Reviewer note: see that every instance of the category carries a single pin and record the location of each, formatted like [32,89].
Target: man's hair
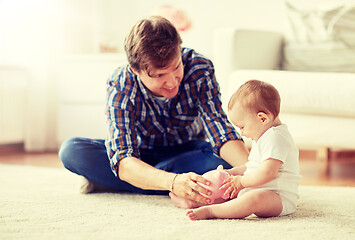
[257,96]
[152,44]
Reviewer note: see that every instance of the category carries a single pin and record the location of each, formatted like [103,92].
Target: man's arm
[143,175]
[221,133]
[234,152]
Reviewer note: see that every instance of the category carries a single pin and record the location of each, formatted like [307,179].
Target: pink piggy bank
[216,177]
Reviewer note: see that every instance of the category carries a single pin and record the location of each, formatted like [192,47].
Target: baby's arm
[265,173]
[237,170]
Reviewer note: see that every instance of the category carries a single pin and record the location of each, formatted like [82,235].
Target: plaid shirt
[136,119]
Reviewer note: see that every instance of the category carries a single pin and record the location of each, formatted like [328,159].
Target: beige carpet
[44,203]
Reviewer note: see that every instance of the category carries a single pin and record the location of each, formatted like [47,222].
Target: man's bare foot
[199,214]
[184,202]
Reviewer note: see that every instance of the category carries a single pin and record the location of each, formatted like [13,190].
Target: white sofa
[318,107]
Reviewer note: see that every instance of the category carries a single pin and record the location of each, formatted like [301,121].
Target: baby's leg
[184,202]
[263,203]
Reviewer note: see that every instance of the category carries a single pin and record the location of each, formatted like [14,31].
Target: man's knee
[68,150]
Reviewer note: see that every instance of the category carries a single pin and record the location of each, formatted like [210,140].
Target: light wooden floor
[342,166]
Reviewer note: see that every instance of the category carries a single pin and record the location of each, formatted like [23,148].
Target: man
[160,109]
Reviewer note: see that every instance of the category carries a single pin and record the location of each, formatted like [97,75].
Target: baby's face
[249,123]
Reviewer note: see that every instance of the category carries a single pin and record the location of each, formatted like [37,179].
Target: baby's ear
[263,117]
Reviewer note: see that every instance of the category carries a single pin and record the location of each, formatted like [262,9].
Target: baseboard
[12,148]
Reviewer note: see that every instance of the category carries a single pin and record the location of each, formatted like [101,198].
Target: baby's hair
[257,96]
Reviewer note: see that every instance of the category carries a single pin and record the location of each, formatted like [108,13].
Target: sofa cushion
[316,93]
[320,37]
[313,131]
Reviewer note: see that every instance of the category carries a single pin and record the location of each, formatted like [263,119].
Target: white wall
[115,18]
[29,40]
[34,34]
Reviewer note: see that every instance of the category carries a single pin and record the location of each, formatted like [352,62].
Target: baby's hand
[233,186]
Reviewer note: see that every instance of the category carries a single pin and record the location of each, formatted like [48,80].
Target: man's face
[164,82]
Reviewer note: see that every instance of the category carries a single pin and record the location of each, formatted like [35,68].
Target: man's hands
[185,186]
[233,185]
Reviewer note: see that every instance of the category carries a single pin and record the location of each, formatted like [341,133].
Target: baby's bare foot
[183,202]
[192,215]
[199,214]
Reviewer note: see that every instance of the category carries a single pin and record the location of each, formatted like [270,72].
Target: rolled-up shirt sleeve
[218,129]
[121,141]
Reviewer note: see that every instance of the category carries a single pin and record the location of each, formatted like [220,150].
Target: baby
[267,185]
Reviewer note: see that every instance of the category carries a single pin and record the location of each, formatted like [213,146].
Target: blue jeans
[88,158]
